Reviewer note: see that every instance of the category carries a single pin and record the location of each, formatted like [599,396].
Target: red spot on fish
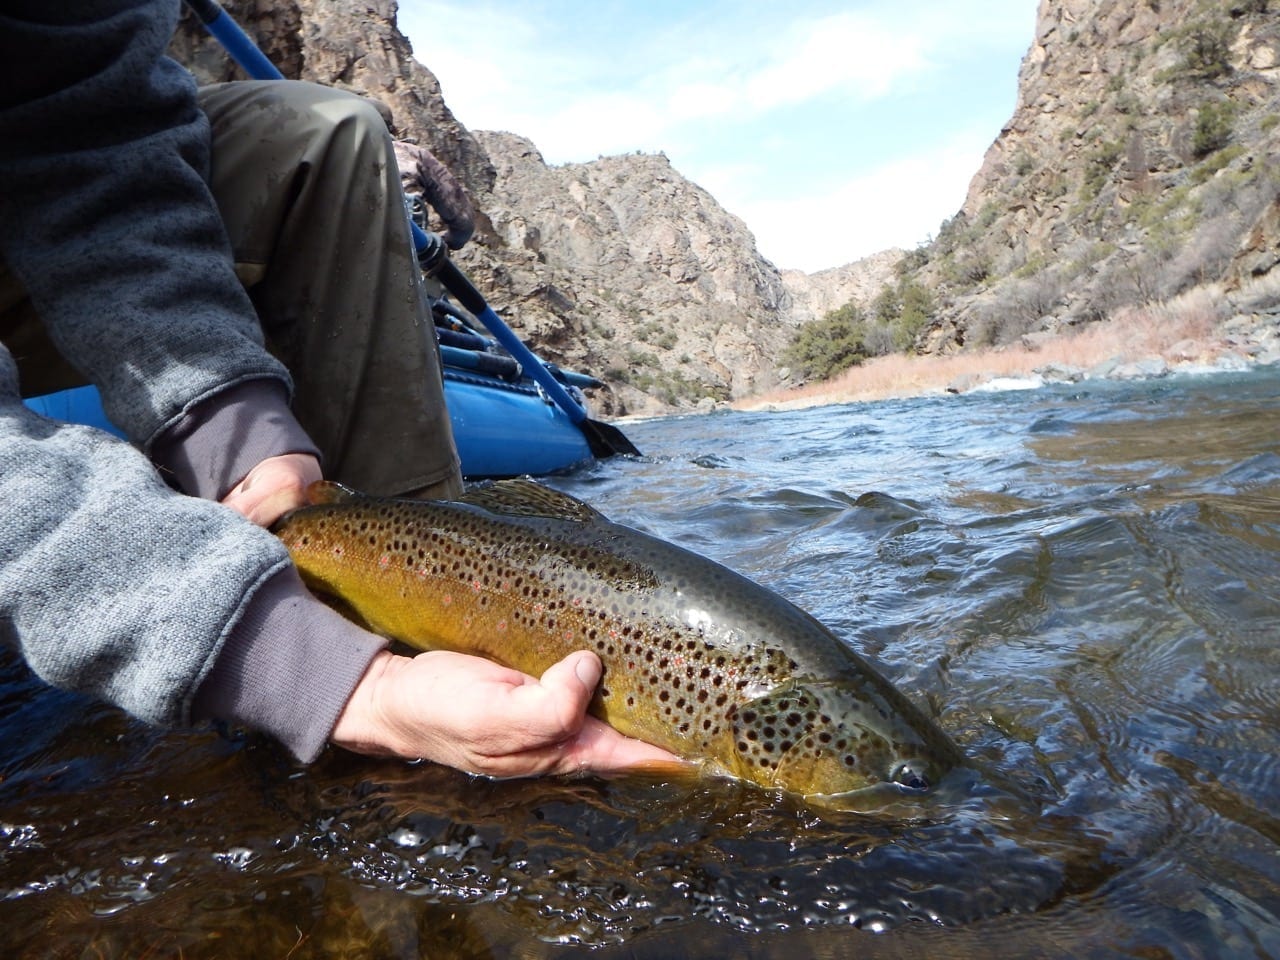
[384,561]
[337,551]
[475,585]
[447,599]
[502,624]
[423,573]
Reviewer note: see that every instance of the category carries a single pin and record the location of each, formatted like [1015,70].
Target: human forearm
[172,607]
[214,446]
[287,668]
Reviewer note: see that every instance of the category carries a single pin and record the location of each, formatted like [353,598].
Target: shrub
[1214,122]
[912,261]
[901,311]
[951,234]
[1206,49]
[641,358]
[916,314]
[822,348]
[1099,165]
[1216,162]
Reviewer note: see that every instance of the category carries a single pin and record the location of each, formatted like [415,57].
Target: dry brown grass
[1187,324]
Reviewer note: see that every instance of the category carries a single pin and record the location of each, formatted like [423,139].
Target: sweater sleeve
[110,582]
[173,608]
[106,217]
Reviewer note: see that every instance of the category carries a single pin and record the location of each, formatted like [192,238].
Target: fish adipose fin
[523,497]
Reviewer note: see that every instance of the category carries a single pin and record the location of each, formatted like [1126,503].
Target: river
[1081,583]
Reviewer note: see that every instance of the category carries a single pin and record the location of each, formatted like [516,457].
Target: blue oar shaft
[457,284]
[236,42]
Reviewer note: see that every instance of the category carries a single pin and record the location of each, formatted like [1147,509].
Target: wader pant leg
[307,184]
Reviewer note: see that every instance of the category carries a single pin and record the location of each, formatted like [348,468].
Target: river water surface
[1082,584]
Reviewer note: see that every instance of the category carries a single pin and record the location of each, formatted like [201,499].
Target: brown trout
[697,659]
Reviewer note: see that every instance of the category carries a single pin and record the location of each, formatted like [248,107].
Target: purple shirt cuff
[219,440]
[287,668]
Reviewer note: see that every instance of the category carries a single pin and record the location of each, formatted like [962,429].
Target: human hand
[274,487]
[481,717]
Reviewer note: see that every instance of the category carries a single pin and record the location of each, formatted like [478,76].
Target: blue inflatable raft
[504,424]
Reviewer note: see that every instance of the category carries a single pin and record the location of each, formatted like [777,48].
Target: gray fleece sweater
[169,605]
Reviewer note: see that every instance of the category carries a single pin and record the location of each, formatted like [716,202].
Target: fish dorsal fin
[523,497]
[327,491]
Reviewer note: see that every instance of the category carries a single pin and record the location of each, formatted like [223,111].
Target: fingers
[551,709]
[268,510]
[274,487]
[487,719]
[598,748]
[573,742]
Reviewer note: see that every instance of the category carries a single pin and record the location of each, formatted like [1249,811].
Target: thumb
[561,696]
[582,668]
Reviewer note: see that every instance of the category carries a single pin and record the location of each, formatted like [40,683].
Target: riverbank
[1202,331]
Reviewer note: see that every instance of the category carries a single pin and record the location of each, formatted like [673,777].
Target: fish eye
[912,775]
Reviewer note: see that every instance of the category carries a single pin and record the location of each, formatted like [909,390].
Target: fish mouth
[914,775]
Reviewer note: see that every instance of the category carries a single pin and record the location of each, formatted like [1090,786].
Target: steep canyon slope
[1142,160]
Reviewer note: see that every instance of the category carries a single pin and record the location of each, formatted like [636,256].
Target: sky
[833,129]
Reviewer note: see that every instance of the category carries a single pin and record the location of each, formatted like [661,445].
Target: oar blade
[606,440]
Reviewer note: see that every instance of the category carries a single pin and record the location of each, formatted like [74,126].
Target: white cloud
[848,53]
[524,78]
[900,203]
[478,52]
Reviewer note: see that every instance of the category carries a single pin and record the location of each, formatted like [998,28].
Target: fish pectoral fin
[523,497]
[664,770]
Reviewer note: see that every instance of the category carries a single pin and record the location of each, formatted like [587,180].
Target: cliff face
[1142,159]
[626,266]
[347,44]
